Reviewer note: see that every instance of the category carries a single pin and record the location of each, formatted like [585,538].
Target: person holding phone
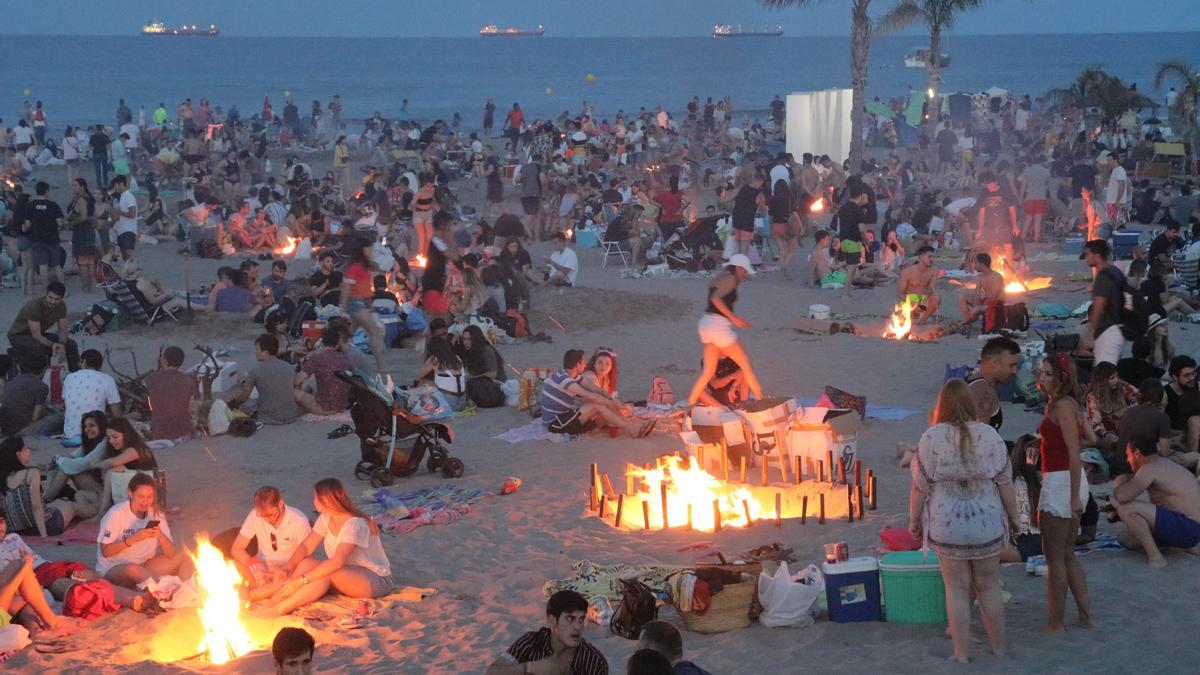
[131,535]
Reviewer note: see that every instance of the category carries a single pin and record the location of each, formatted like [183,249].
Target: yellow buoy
[287,93]
[590,77]
[26,92]
[549,90]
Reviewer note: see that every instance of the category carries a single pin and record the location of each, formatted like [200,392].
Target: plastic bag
[789,600]
[218,418]
[304,250]
[13,637]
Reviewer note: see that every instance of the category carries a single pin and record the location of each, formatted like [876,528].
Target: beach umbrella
[997,92]
[579,136]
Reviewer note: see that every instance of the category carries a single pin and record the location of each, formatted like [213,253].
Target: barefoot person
[355,564]
[1064,490]
[131,534]
[988,291]
[569,408]
[276,530]
[557,648]
[962,503]
[1172,516]
[717,326]
[918,286]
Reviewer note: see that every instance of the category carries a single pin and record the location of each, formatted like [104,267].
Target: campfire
[417,262]
[1014,284]
[899,325]
[289,247]
[818,206]
[218,581]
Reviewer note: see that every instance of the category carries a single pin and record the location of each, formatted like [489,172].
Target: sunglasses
[274,543]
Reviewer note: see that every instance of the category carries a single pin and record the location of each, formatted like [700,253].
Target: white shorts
[716,330]
[1056,493]
[1107,346]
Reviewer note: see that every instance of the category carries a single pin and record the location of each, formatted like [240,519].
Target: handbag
[638,606]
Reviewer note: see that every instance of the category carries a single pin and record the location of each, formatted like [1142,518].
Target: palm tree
[1187,102]
[939,16]
[860,54]
[1095,88]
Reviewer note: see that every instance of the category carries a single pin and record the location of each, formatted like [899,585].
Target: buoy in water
[549,90]
[590,77]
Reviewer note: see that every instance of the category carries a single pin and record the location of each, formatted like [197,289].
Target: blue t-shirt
[235,299]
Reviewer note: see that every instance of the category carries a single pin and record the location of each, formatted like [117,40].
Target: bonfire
[218,581]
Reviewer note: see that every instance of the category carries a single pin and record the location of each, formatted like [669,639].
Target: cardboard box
[714,424]
[821,430]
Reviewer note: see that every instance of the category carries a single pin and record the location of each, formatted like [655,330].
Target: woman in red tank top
[1064,489]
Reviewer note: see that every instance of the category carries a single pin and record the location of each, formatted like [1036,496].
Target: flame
[569,234]
[900,324]
[217,581]
[419,261]
[818,206]
[289,247]
[1014,284]
[688,484]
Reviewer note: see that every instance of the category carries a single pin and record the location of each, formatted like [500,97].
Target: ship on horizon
[157,27]
[738,30]
[492,30]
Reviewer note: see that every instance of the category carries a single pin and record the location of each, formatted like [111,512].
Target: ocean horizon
[80,78]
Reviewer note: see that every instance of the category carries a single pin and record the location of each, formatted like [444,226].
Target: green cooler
[913,591]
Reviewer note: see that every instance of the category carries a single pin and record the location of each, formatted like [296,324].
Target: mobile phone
[151,524]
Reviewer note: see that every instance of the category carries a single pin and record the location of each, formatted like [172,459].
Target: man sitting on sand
[292,650]
[131,534]
[1172,516]
[918,286]
[172,397]
[568,408]
[562,266]
[41,326]
[332,395]
[665,639]
[274,379]
[988,291]
[277,530]
[557,648]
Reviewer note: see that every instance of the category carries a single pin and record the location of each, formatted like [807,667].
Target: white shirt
[11,547]
[133,132]
[84,391]
[567,259]
[368,550]
[292,532]
[477,147]
[124,224]
[779,172]
[1115,179]
[121,522]
[22,135]
[70,148]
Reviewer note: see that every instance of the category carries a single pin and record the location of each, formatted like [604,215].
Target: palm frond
[781,4]
[903,15]
[1175,68]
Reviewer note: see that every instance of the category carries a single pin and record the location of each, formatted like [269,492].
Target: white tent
[997,92]
[819,122]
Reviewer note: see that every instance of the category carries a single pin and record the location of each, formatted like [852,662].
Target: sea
[80,78]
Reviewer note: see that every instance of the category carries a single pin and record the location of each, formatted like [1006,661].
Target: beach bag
[429,403]
[789,600]
[209,248]
[96,322]
[661,392]
[13,638]
[833,279]
[218,418]
[999,316]
[305,311]
[485,392]
[531,386]
[956,372]
[90,600]
[638,607]
[520,324]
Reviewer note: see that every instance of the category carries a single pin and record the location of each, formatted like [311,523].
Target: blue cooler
[1073,245]
[586,237]
[852,590]
[1123,243]
[391,328]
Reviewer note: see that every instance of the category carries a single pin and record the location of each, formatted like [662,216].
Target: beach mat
[81,532]
[876,412]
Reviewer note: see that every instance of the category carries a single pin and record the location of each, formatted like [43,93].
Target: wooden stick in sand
[874,492]
[783,463]
[746,510]
[603,502]
[742,474]
[841,464]
[662,489]
[646,514]
[725,460]
[799,470]
[821,516]
[608,488]
[592,496]
[849,505]
[858,500]
[858,469]
[763,460]
[716,515]
[620,508]
[689,523]
[829,463]
[820,470]
[778,509]
[804,510]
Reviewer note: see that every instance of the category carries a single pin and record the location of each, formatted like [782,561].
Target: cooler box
[852,590]
[1073,245]
[311,330]
[391,328]
[913,591]
[1123,243]
[229,377]
[586,237]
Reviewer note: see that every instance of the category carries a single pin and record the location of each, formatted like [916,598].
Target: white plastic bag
[789,600]
[218,418]
[304,250]
[13,638]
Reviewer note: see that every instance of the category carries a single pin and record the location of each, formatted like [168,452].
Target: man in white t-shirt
[133,132]
[131,534]
[277,530]
[88,389]
[562,266]
[1118,193]
[127,224]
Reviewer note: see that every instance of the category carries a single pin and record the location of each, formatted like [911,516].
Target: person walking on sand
[717,328]
[963,505]
[1064,490]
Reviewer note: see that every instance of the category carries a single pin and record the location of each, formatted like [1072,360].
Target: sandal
[340,432]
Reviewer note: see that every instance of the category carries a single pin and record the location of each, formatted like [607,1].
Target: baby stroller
[689,247]
[392,440]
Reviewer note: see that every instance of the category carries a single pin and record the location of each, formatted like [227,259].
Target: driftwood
[135,399]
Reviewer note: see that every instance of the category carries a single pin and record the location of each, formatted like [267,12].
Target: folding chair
[134,306]
[610,248]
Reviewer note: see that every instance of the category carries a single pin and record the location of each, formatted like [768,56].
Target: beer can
[843,551]
[364,608]
[831,555]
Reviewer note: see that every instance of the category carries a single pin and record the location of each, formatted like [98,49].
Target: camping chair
[107,276]
[610,248]
[133,306]
[1188,272]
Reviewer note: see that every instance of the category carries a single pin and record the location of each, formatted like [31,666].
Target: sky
[561,18]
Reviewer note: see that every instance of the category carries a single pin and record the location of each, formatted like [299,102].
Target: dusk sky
[561,18]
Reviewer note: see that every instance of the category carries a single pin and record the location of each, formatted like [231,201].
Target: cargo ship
[731,30]
[157,27]
[492,30]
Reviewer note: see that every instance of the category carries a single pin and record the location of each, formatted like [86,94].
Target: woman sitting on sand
[80,466]
[126,454]
[1107,398]
[717,328]
[21,488]
[22,600]
[962,504]
[355,564]
[446,370]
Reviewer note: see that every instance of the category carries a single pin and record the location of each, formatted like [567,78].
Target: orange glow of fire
[817,206]
[419,261]
[1014,284]
[900,323]
[569,234]
[289,247]
[688,484]
[218,580]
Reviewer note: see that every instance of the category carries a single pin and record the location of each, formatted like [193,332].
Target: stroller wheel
[363,469]
[381,477]
[453,468]
[434,462]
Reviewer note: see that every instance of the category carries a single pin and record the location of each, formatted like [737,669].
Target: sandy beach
[489,567]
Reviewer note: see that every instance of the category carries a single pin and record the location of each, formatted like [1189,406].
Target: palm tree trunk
[934,66]
[860,53]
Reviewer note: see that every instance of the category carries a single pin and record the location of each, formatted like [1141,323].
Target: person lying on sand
[918,285]
[1172,516]
[557,648]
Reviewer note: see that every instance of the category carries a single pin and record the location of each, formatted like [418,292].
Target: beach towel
[404,512]
[79,532]
[601,584]
[1051,310]
[533,431]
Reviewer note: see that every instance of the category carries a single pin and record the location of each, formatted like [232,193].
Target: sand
[489,568]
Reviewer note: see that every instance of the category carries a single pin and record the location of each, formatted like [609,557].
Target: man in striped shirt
[568,408]
[558,648]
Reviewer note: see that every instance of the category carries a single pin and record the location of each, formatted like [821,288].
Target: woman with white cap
[717,328]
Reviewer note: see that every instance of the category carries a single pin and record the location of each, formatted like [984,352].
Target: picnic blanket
[601,584]
[535,430]
[79,532]
[403,512]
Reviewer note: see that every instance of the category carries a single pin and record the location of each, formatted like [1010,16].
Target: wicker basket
[730,610]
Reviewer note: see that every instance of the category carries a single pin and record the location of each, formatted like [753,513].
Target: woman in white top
[355,564]
[70,149]
[447,370]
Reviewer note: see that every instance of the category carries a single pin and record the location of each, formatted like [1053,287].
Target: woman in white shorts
[717,328]
[1064,489]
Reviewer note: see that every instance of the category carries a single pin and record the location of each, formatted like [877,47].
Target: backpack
[999,316]
[304,312]
[638,607]
[520,324]
[485,392]
[1133,316]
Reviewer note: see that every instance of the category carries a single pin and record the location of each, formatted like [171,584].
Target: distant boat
[731,30]
[492,30]
[919,58]
[157,27]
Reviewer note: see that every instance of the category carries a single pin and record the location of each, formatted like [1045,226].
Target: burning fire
[419,261]
[688,484]
[218,581]
[289,247]
[1015,285]
[818,206]
[900,324]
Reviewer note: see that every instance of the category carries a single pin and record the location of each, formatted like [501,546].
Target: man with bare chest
[918,286]
[1172,516]
[988,291]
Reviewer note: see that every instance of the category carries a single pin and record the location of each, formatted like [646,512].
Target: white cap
[740,260]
